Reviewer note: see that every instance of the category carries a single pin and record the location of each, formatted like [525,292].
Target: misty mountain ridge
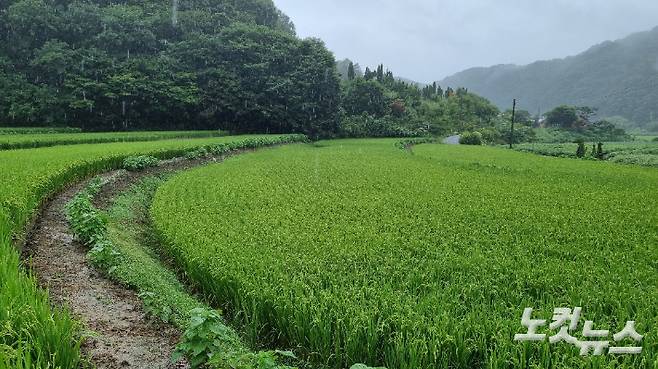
[620,78]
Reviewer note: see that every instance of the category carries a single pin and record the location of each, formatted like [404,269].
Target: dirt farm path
[122,336]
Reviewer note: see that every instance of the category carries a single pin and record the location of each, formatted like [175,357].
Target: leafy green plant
[86,222]
[471,138]
[259,360]
[637,153]
[407,143]
[155,307]
[37,130]
[363,366]
[139,163]
[197,154]
[208,341]
[90,226]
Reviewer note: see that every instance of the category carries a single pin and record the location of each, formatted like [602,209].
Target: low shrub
[208,342]
[405,144]
[471,138]
[139,163]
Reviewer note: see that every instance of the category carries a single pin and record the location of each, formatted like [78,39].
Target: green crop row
[25,141]
[356,251]
[37,130]
[637,153]
[32,334]
[409,142]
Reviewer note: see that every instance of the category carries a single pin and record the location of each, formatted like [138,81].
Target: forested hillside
[215,64]
[378,104]
[110,65]
[619,78]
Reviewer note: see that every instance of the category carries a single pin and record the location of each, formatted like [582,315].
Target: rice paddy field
[357,251]
[365,251]
[37,130]
[643,151]
[33,334]
[31,138]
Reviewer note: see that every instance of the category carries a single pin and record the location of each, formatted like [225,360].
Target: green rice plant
[37,130]
[354,251]
[25,139]
[32,333]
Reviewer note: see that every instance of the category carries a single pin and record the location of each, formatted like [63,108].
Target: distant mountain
[619,78]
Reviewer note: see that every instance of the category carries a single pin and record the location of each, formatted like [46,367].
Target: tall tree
[351,74]
[380,73]
[368,75]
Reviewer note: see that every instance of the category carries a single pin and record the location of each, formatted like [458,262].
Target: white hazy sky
[427,40]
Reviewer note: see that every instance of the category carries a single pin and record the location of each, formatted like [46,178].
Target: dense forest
[619,78]
[215,64]
[379,104]
[101,65]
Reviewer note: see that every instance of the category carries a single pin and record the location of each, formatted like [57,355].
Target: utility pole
[174,13]
[511,135]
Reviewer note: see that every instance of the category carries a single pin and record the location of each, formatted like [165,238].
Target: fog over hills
[620,78]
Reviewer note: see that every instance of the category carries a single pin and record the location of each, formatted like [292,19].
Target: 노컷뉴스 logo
[565,321]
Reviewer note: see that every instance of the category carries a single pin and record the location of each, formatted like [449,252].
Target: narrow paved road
[452,140]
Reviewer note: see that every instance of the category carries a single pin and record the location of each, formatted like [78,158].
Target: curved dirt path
[122,335]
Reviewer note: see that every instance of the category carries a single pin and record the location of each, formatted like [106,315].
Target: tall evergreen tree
[380,73]
[351,74]
[368,74]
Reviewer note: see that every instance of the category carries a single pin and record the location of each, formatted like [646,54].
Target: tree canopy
[379,104]
[101,65]
[211,64]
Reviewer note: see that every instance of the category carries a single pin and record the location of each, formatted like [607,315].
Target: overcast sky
[427,40]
